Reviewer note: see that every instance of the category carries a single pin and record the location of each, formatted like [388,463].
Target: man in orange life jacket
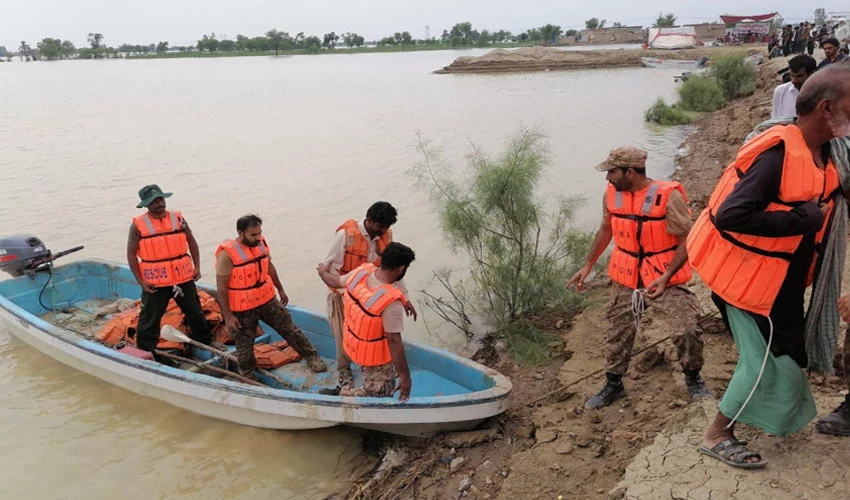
[374,320]
[649,222]
[158,250]
[246,280]
[354,244]
[756,246]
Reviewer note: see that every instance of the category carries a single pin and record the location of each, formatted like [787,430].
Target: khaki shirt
[678,219]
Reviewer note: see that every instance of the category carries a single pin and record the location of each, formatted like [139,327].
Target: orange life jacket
[163,252]
[357,246]
[748,271]
[249,286]
[275,355]
[642,246]
[364,338]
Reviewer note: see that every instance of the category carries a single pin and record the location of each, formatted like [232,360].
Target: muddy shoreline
[643,447]
[551,59]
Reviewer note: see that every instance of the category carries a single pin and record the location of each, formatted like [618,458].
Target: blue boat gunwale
[499,390]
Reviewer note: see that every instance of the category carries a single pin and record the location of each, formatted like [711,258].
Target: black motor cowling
[24,253]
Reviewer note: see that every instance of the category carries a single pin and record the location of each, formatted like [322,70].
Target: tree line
[277,41]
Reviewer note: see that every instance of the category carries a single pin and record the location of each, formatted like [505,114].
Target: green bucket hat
[149,193]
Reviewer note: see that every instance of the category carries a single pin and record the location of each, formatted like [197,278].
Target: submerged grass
[665,114]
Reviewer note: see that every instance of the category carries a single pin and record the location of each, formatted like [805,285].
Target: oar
[172,334]
[204,366]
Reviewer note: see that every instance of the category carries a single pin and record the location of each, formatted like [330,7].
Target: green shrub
[520,247]
[662,113]
[701,93]
[735,77]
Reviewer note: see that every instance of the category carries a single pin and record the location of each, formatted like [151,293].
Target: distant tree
[618,24]
[484,38]
[353,40]
[3,51]
[208,43]
[463,34]
[592,23]
[24,50]
[95,40]
[299,40]
[329,40]
[571,33]
[665,21]
[403,39]
[275,38]
[820,16]
[387,41]
[602,23]
[550,33]
[161,47]
[259,44]
[68,49]
[445,36]
[312,44]
[242,42]
[501,36]
[224,46]
[533,35]
[50,49]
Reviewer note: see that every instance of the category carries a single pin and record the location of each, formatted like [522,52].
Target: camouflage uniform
[679,308]
[378,382]
[274,314]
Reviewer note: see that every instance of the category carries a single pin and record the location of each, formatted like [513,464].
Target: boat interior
[65,302]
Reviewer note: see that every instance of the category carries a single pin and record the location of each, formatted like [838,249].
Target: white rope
[758,380]
[638,306]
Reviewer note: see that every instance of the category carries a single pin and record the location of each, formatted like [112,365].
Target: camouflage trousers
[378,382]
[678,308]
[274,314]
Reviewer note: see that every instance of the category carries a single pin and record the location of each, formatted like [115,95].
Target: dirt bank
[643,447]
[547,58]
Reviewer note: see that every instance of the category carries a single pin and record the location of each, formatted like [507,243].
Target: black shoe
[610,393]
[836,423]
[697,388]
[330,391]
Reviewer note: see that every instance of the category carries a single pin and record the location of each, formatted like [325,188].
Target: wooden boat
[661,62]
[449,392]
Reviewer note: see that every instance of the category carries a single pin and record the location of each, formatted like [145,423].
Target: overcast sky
[182,22]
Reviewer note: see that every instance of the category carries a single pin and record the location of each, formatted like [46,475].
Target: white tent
[672,38]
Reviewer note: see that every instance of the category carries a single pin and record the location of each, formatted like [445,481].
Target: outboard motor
[22,254]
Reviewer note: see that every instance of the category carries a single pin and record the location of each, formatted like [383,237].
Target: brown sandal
[733,452]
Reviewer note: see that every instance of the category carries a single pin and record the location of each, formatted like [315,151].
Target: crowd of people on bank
[804,37]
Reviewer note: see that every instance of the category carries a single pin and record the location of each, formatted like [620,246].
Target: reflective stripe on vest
[748,271]
[163,250]
[643,249]
[364,338]
[249,285]
[357,246]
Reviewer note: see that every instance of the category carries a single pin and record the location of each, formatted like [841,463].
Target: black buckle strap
[731,239]
[165,260]
[643,255]
[363,340]
[639,218]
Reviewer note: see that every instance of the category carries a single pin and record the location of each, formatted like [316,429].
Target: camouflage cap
[624,156]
